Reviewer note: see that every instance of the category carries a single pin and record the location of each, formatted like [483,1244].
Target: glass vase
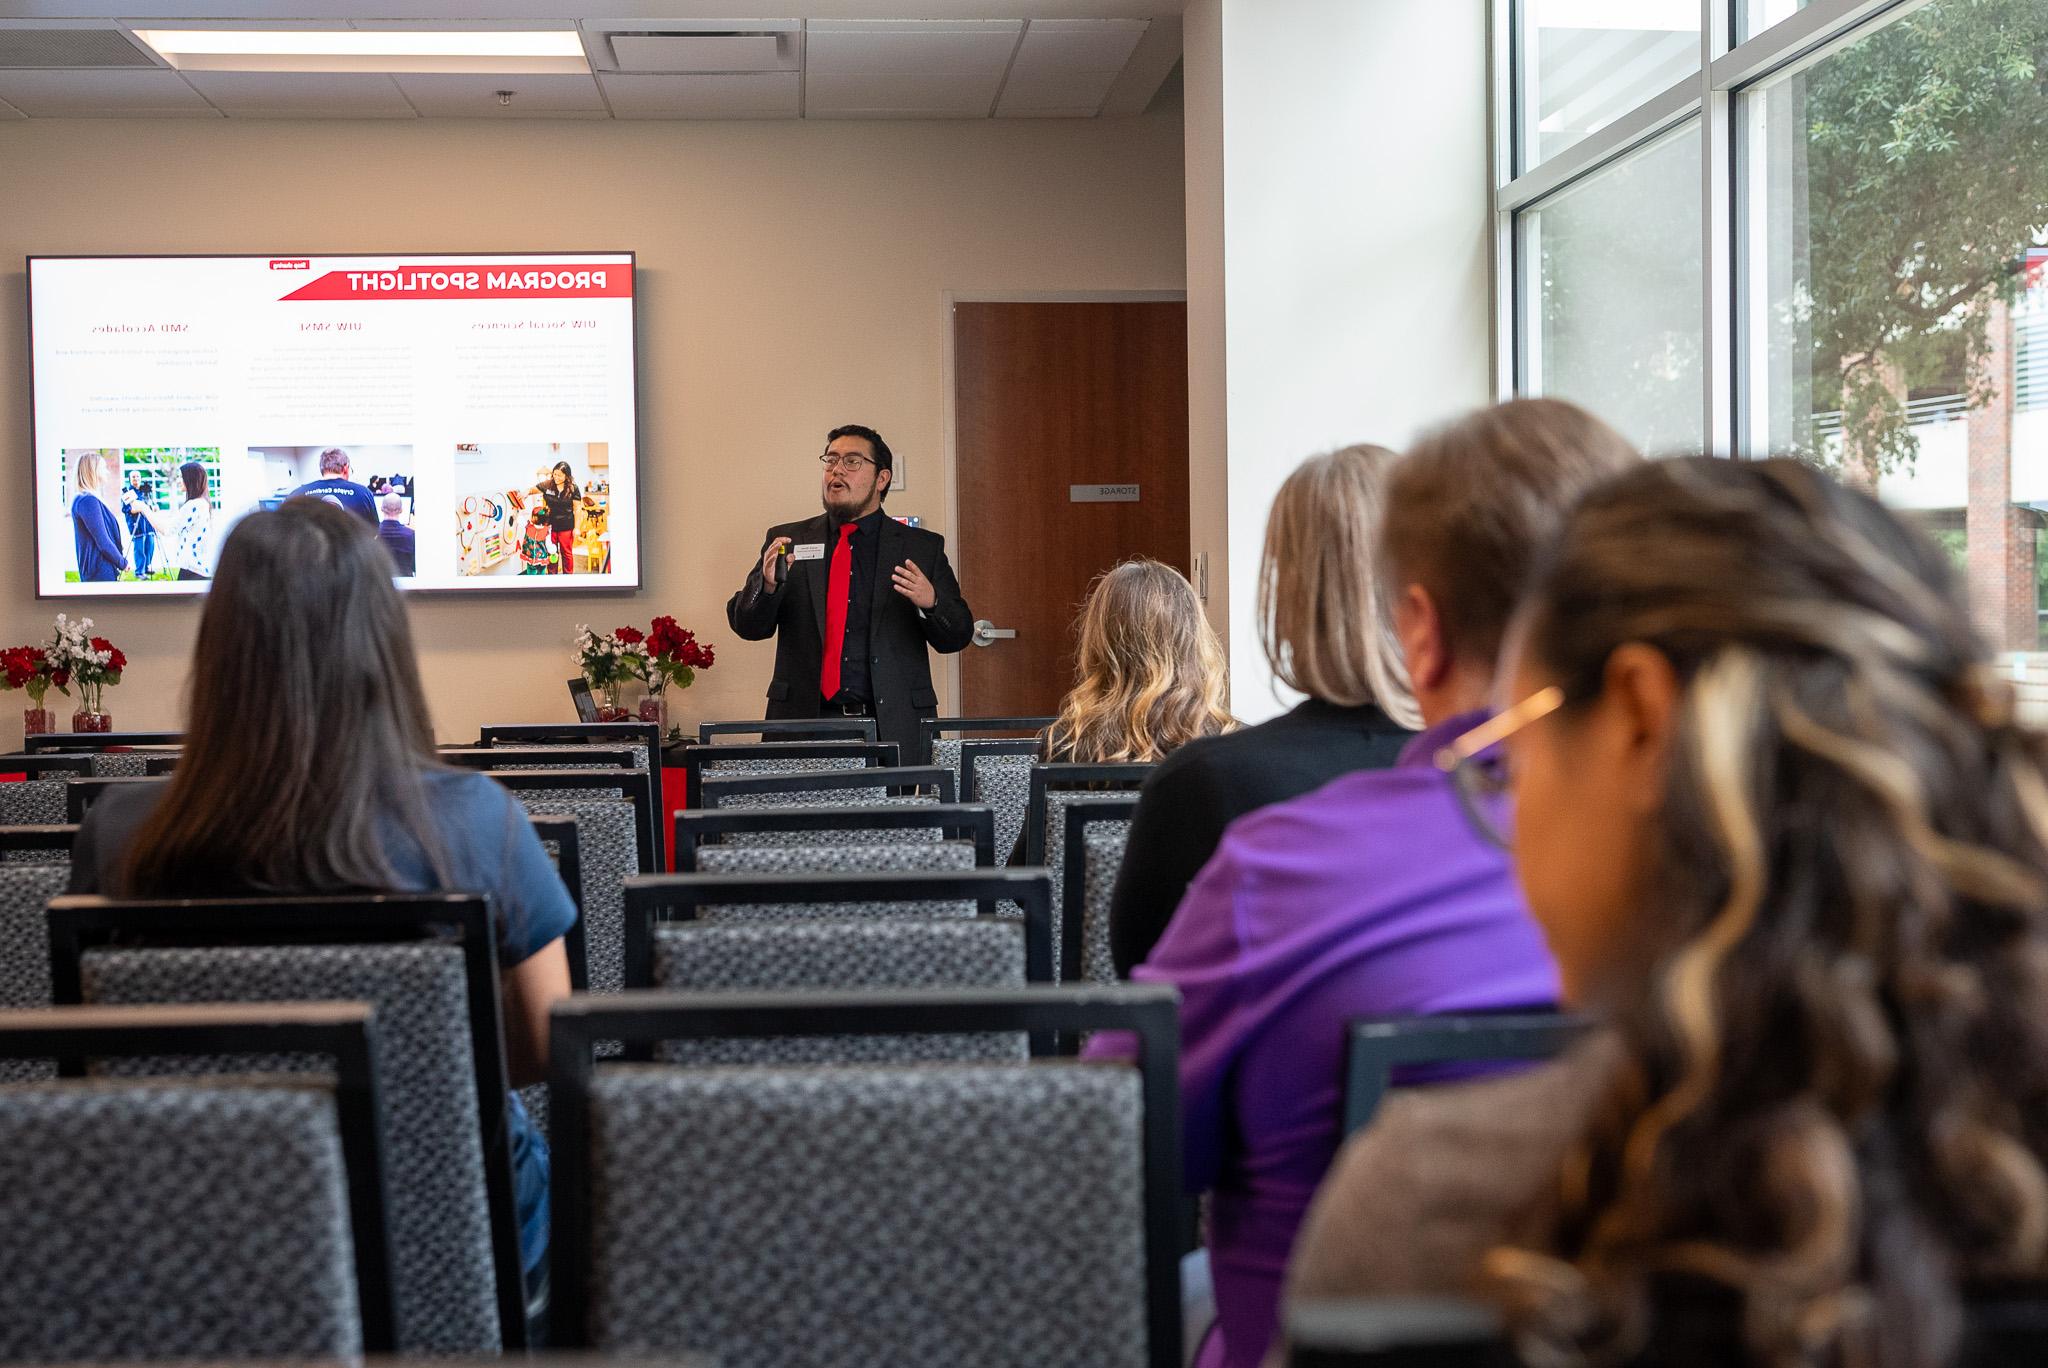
[613,709]
[84,721]
[37,721]
[654,708]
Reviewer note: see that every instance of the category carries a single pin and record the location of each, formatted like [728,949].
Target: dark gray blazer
[899,666]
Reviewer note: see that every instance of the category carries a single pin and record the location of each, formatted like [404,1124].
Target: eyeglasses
[846,461]
[1477,763]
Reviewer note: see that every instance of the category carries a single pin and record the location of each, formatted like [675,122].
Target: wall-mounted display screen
[478,409]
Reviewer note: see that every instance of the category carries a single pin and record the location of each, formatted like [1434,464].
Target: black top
[561,509]
[854,681]
[1206,785]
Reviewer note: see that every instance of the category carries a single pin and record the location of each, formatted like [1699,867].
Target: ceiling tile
[910,46]
[102,94]
[476,97]
[1070,45]
[1060,93]
[926,96]
[774,95]
[301,94]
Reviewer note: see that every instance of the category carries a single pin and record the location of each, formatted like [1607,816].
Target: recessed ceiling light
[401,50]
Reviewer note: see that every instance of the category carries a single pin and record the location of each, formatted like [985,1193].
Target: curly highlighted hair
[1149,672]
[1833,1111]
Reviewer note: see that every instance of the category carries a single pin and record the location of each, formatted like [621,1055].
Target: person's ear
[883,479]
[1640,699]
[1420,630]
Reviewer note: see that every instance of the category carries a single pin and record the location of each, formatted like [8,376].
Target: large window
[1841,255]
[1615,275]
[1584,63]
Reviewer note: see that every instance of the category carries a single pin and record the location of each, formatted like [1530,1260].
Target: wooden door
[1048,398]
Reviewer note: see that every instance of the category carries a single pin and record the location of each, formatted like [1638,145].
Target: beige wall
[791,277]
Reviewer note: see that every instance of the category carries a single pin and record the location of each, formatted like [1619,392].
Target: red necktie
[838,589]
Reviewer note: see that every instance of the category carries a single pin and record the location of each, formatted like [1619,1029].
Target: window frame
[1727,70]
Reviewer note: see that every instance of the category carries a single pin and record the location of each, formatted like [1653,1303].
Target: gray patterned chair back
[162,1220]
[897,953]
[32,802]
[846,835]
[1004,783]
[119,764]
[921,1216]
[1056,804]
[442,1265]
[25,954]
[1103,842]
[818,764]
[608,848]
[946,752]
[881,855]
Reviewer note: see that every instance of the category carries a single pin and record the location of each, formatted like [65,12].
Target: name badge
[812,551]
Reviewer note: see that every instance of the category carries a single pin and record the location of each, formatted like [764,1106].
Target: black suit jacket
[899,667]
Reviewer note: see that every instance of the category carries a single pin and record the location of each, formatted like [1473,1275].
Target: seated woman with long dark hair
[1773,811]
[309,768]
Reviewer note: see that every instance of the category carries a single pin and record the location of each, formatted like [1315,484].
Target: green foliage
[1926,179]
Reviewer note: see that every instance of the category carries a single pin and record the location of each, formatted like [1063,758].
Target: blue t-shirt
[97,539]
[356,498]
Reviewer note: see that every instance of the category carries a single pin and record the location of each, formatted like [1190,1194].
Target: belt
[850,709]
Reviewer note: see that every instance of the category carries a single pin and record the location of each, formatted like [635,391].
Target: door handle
[987,633]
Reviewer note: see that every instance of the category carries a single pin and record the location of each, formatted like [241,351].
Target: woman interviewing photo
[190,529]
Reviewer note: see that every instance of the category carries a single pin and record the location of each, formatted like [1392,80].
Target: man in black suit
[853,598]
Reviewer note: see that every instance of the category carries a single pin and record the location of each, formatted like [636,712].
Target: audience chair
[806,897]
[780,757]
[791,728]
[897,784]
[429,964]
[87,742]
[704,830]
[81,794]
[642,738]
[1098,827]
[224,1218]
[925,1216]
[1376,1047]
[607,854]
[1054,788]
[880,855]
[999,773]
[25,891]
[37,843]
[841,956]
[558,836]
[38,798]
[568,786]
[497,758]
[1418,1332]
[944,736]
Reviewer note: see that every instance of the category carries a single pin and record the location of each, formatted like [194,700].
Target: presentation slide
[476,409]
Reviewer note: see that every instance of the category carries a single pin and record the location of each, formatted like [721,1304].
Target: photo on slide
[373,481]
[532,508]
[142,513]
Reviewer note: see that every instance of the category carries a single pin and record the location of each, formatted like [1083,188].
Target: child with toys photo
[537,550]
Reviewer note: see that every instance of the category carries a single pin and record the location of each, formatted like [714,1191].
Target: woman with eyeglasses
[1772,810]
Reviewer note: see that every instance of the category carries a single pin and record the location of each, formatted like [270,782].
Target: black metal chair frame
[340,1031]
[637,785]
[1149,1012]
[496,758]
[45,765]
[569,862]
[81,923]
[897,779]
[647,734]
[972,750]
[1396,1332]
[38,837]
[872,754]
[682,897]
[935,727]
[1045,778]
[810,728]
[1104,807]
[953,821]
[81,794]
[101,741]
[1376,1046]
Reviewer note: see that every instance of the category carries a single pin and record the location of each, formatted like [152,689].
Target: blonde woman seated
[1326,633]
[1149,673]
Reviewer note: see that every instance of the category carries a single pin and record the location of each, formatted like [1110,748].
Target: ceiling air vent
[742,46]
[68,47]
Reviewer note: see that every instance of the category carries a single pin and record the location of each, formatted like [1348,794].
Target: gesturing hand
[911,583]
[771,561]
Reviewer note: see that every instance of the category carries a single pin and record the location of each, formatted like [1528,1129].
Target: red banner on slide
[492,280]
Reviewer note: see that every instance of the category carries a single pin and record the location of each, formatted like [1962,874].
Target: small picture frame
[586,704]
